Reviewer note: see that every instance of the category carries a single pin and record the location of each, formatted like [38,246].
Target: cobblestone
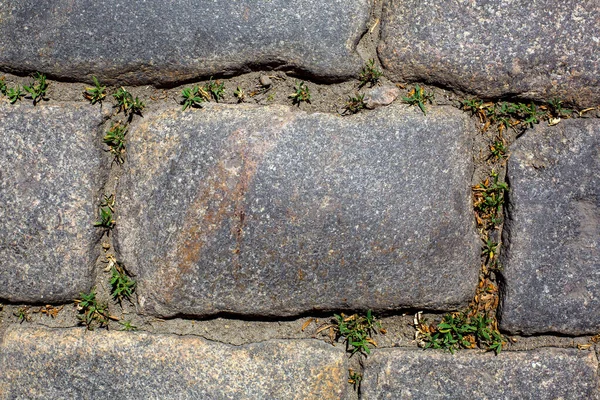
[122,42]
[535,49]
[51,170]
[37,363]
[269,211]
[551,237]
[540,374]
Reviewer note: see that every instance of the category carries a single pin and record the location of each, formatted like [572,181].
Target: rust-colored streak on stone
[248,170]
[220,199]
[211,207]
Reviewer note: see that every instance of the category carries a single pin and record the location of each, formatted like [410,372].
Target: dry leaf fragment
[553,121]
[322,328]
[374,25]
[50,310]
[586,110]
[307,323]
[111,260]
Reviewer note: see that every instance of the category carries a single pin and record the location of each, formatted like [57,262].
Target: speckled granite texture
[52,169]
[537,49]
[262,210]
[552,233]
[538,374]
[123,42]
[78,364]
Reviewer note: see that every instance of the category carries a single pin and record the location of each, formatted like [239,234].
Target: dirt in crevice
[329,98]
[367,45]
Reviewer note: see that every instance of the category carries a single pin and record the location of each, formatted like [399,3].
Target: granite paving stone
[551,237]
[536,374]
[536,49]
[39,363]
[272,211]
[158,42]
[51,171]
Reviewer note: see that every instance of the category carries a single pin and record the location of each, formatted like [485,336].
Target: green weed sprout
[216,89]
[356,331]
[3,88]
[240,94]
[193,97]
[106,213]
[128,326]
[458,330]
[489,198]
[37,88]
[354,378]
[355,104]
[302,94]
[14,94]
[498,149]
[418,96]
[369,74]
[91,311]
[22,314]
[115,139]
[127,104]
[122,286]
[95,94]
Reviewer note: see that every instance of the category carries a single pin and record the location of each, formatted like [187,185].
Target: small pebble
[381,96]
[265,80]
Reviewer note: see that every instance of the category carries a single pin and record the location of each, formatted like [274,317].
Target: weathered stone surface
[552,232]
[51,171]
[270,211]
[536,49]
[538,374]
[162,42]
[78,364]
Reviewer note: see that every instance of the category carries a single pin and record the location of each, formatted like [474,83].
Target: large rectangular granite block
[269,211]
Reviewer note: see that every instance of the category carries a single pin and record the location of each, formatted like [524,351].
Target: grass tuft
[37,88]
[369,74]
[302,94]
[95,94]
[122,286]
[91,312]
[418,96]
[355,104]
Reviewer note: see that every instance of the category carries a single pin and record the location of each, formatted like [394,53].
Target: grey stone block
[535,49]
[270,211]
[537,374]
[52,167]
[158,42]
[552,233]
[37,363]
